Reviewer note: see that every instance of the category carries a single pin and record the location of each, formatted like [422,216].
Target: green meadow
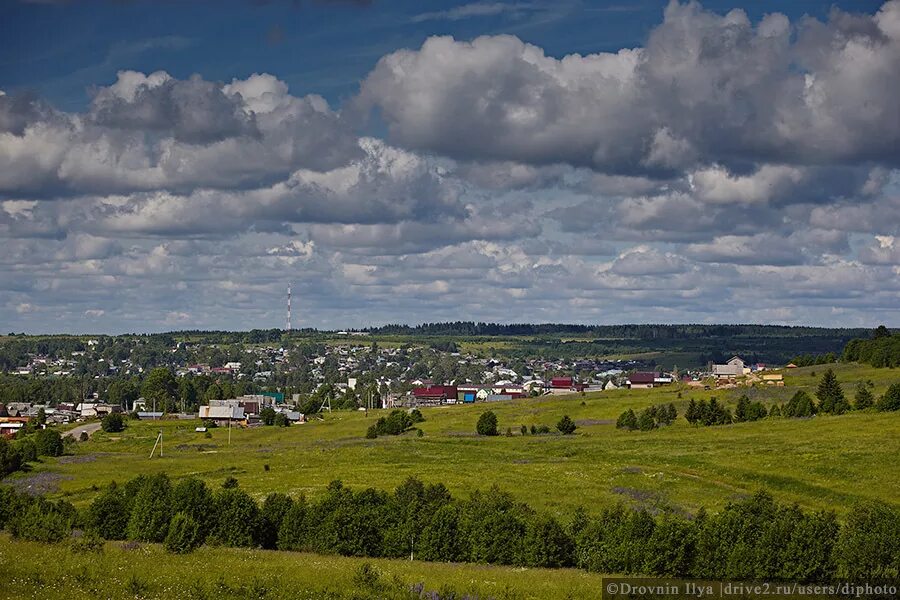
[131,571]
[826,462]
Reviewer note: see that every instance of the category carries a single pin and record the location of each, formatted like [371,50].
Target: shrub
[87,542]
[281,420]
[267,415]
[627,420]
[44,521]
[396,423]
[416,416]
[487,424]
[48,442]
[372,432]
[523,430]
[891,399]
[566,426]
[869,542]
[10,458]
[113,423]
[183,535]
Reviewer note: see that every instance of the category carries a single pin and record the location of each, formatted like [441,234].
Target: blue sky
[169,165]
[63,49]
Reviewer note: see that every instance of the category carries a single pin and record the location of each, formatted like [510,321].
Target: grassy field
[823,462]
[146,571]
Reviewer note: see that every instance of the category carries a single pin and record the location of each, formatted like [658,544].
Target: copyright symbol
[612,588]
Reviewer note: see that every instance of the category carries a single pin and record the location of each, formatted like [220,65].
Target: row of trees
[16,454]
[487,425]
[882,350]
[755,539]
[650,418]
[397,422]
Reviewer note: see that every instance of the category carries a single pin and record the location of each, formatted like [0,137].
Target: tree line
[881,350]
[755,538]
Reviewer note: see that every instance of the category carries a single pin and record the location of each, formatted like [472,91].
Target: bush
[192,497]
[10,458]
[416,416]
[868,546]
[566,426]
[267,416]
[646,421]
[183,535]
[44,521]
[627,420]
[396,423]
[113,423]
[48,442]
[274,509]
[523,430]
[281,420]
[83,436]
[487,424]
[87,542]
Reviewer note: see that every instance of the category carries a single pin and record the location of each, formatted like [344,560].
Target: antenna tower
[289,308]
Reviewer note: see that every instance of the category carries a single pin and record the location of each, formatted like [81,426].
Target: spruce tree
[864,398]
[830,395]
[741,412]
[627,420]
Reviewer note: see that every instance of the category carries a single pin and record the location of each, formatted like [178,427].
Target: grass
[822,463]
[146,571]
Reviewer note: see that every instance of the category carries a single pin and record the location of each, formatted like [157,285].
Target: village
[300,381]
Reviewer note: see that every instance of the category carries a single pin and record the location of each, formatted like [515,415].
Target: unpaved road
[90,428]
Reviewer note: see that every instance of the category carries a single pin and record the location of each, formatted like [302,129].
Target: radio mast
[289,308]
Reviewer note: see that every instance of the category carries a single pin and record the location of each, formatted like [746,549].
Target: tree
[192,497]
[891,399]
[44,521]
[692,414]
[151,510]
[868,546]
[864,398]
[213,392]
[294,527]
[113,423]
[48,442]
[274,510]
[645,421]
[487,424]
[742,408]
[237,518]
[160,386]
[830,395]
[800,405]
[627,420]
[108,513]
[267,416]
[281,420]
[183,535]
[566,426]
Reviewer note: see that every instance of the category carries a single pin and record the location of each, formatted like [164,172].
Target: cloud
[476,9]
[706,88]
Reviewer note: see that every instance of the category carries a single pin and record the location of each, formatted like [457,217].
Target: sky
[176,165]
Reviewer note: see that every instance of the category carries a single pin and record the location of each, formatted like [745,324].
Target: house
[642,380]
[610,386]
[222,415]
[435,394]
[9,429]
[566,383]
[776,379]
[733,368]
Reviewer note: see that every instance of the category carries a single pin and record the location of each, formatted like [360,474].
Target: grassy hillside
[146,571]
[824,462]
